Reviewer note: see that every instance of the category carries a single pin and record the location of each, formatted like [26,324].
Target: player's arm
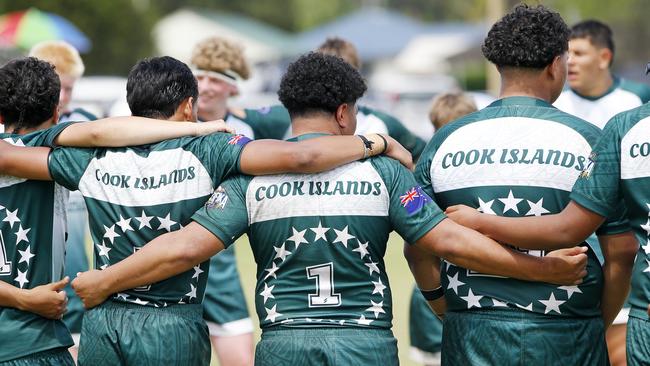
[48,301]
[619,251]
[315,155]
[163,257]
[425,268]
[469,249]
[130,131]
[569,227]
[24,162]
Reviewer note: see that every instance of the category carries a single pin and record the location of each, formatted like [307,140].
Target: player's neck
[524,87]
[599,87]
[24,131]
[219,112]
[305,125]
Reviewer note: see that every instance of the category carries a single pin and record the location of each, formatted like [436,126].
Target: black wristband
[385,144]
[367,145]
[431,295]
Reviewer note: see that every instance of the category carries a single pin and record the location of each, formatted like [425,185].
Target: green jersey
[138,193]
[319,239]
[32,248]
[517,157]
[619,169]
[274,123]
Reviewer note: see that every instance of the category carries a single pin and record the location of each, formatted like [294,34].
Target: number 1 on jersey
[5,265]
[325,295]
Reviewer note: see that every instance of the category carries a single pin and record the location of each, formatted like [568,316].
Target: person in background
[274,121]
[596,95]
[425,328]
[218,65]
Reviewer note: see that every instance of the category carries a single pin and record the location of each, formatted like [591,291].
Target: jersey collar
[520,100]
[308,136]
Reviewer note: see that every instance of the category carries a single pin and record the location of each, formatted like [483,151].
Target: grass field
[401,283]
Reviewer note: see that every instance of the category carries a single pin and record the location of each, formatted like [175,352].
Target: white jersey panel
[369,123]
[355,189]
[8,180]
[128,179]
[534,156]
[598,111]
[635,149]
[241,128]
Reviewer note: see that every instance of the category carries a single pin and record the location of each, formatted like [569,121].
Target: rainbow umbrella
[26,28]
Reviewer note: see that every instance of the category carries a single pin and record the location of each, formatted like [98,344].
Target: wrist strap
[385,143]
[367,146]
[431,295]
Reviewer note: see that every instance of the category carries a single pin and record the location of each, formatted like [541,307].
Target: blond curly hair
[62,55]
[220,55]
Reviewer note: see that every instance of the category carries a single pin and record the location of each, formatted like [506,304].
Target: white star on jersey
[570,290]
[552,304]
[192,293]
[472,300]
[21,234]
[648,263]
[379,287]
[166,223]
[646,247]
[110,233]
[140,302]
[320,232]
[362,321]
[454,283]
[281,252]
[510,202]
[362,249]
[486,207]
[12,218]
[197,271]
[377,308]
[103,250]
[497,303]
[21,278]
[536,208]
[271,314]
[528,307]
[298,237]
[144,220]
[266,293]
[25,255]
[124,224]
[342,237]
[372,267]
[271,271]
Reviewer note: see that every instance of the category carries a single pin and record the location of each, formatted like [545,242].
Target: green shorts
[117,333]
[326,346]
[224,304]
[636,343]
[51,357]
[512,337]
[425,331]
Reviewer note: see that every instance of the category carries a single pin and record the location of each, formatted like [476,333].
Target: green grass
[401,283]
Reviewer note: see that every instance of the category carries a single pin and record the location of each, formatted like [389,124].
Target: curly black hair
[317,83]
[156,86]
[29,92]
[528,37]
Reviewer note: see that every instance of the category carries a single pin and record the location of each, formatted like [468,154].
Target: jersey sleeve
[68,164]
[598,186]
[269,122]
[220,152]
[412,212]
[225,214]
[403,135]
[47,136]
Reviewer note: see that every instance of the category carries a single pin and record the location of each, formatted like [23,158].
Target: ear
[341,115]
[188,107]
[556,70]
[605,56]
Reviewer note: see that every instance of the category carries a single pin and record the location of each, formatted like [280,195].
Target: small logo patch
[414,200]
[586,173]
[239,140]
[218,199]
